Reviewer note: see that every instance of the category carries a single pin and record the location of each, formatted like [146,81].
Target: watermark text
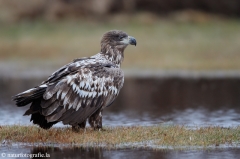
[28,155]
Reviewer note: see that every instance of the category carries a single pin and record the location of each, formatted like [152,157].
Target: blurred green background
[171,34]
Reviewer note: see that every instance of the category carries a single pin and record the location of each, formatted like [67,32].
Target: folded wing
[78,95]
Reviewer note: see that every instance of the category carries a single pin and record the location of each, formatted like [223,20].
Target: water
[100,153]
[193,101]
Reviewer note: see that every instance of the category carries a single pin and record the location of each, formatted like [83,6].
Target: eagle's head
[116,39]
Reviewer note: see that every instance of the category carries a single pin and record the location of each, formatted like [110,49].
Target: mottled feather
[80,89]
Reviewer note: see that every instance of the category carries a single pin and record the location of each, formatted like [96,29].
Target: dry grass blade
[113,136]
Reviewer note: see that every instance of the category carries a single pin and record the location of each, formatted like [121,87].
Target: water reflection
[101,153]
[151,100]
[144,101]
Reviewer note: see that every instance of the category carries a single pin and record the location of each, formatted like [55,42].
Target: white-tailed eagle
[81,89]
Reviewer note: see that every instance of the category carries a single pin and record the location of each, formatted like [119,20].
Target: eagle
[80,90]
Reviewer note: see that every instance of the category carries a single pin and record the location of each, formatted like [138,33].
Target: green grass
[111,137]
[162,44]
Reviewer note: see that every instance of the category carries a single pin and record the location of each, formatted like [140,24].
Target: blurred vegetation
[52,33]
[162,44]
[14,10]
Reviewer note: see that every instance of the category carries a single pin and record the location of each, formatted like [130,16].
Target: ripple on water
[10,115]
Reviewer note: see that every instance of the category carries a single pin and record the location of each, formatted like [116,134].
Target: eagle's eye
[120,37]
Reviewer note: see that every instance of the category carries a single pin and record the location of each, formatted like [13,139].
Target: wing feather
[76,99]
[68,115]
[50,109]
[70,99]
[56,115]
[78,94]
[52,89]
[47,103]
[83,115]
[78,117]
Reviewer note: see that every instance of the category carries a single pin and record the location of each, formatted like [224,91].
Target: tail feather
[35,107]
[34,96]
[29,96]
[40,120]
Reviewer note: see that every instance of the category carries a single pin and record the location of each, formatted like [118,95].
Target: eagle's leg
[95,120]
[76,128]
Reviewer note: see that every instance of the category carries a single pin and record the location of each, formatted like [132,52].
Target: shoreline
[172,137]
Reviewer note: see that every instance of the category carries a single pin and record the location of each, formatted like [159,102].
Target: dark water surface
[100,153]
[193,101]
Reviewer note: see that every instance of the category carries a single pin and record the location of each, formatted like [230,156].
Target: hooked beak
[129,40]
[132,40]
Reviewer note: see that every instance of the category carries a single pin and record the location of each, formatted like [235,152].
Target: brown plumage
[81,89]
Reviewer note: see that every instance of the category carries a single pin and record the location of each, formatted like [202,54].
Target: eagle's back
[75,91]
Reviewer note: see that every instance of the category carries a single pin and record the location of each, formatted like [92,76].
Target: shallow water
[100,153]
[189,117]
[193,101]
[196,101]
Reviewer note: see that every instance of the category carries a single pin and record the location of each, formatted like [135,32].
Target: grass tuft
[112,136]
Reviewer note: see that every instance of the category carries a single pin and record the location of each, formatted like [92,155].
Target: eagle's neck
[114,54]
